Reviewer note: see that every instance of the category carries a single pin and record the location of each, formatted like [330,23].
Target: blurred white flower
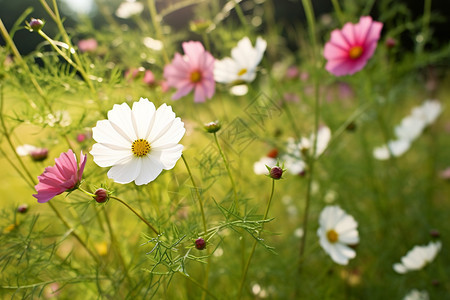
[294,159]
[416,295]
[138,143]
[243,62]
[397,148]
[260,168]
[338,230]
[409,129]
[129,8]
[418,257]
[428,111]
[25,150]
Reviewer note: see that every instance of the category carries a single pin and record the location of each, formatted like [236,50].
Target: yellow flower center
[140,147]
[332,236]
[355,52]
[242,72]
[196,76]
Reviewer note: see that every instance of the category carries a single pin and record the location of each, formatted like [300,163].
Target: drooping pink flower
[349,49]
[193,71]
[64,176]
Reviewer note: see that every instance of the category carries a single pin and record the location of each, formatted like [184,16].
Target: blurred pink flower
[192,71]
[149,77]
[164,86]
[64,176]
[349,49]
[292,72]
[88,45]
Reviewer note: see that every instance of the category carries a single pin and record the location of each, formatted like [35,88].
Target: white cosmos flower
[417,295]
[294,160]
[242,64]
[410,128]
[428,111]
[396,147]
[337,230]
[260,168]
[129,8]
[138,143]
[418,257]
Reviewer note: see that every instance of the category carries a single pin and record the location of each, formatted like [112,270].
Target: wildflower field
[240,149]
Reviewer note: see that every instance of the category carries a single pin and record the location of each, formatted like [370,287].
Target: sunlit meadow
[253,149]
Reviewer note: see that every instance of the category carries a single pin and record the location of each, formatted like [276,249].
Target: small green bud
[212,127]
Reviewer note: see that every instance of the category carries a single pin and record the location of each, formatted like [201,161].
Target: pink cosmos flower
[349,49]
[192,71]
[64,176]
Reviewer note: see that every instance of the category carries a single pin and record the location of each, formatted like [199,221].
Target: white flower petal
[260,168]
[103,132]
[162,122]
[143,117]
[120,119]
[171,134]
[151,168]
[126,173]
[399,268]
[168,156]
[104,156]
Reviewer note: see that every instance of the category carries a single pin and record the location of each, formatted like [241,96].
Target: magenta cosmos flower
[349,49]
[195,70]
[64,176]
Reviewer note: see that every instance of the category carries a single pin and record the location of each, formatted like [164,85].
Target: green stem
[73,233]
[156,26]
[338,10]
[24,65]
[227,166]
[312,31]
[136,213]
[115,244]
[255,242]
[425,24]
[240,14]
[200,202]
[197,284]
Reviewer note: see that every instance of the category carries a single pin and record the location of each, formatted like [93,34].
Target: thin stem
[197,284]
[255,242]
[425,24]
[338,10]
[240,14]
[227,166]
[200,202]
[24,65]
[156,26]
[311,24]
[73,232]
[115,244]
[136,213]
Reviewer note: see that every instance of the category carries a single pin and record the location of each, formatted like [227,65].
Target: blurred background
[286,13]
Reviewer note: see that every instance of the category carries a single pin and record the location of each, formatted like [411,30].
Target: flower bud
[39,154]
[101,195]
[212,127]
[22,208]
[276,173]
[200,26]
[435,233]
[390,43]
[36,24]
[200,244]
